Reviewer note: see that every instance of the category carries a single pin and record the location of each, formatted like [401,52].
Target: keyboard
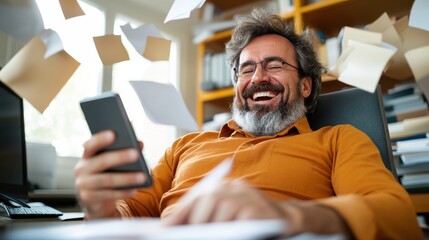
[35,211]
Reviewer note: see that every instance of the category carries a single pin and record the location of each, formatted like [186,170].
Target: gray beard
[270,123]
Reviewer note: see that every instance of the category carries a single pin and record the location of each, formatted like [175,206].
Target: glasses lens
[270,65]
[246,69]
[273,65]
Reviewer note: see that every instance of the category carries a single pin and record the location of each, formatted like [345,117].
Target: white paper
[359,35]
[52,41]
[364,65]
[182,9]
[20,19]
[163,104]
[418,60]
[138,36]
[419,17]
[152,228]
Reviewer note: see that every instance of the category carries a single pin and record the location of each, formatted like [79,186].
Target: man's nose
[260,75]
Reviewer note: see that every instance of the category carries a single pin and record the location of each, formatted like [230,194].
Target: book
[415,157]
[402,114]
[404,102]
[412,156]
[406,169]
[400,91]
[415,179]
[422,142]
[409,127]
[216,73]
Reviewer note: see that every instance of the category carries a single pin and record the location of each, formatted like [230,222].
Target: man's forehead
[265,46]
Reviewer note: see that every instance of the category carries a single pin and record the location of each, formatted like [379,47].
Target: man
[327,181]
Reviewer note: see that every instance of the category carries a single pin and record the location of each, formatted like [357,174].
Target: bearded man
[329,181]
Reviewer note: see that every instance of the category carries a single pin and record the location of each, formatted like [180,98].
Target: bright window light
[156,137]
[62,124]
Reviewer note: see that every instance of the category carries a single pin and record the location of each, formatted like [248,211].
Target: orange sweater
[337,166]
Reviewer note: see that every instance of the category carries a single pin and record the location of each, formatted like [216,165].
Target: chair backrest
[361,109]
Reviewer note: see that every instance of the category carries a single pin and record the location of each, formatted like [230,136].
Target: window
[156,137]
[62,123]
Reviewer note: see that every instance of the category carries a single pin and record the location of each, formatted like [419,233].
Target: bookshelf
[328,16]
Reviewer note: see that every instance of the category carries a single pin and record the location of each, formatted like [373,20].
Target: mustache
[261,88]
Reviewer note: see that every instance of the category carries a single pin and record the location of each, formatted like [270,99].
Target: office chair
[361,109]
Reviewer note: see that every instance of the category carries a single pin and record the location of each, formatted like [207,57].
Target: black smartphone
[106,112]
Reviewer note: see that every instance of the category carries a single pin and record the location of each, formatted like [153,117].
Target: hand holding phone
[106,112]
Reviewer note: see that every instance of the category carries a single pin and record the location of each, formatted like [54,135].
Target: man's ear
[306,86]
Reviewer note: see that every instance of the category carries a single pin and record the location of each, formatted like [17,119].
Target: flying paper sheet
[110,49]
[381,24]
[35,78]
[157,49]
[52,41]
[360,36]
[71,8]
[148,42]
[398,68]
[182,9]
[418,61]
[364,65]
[20,19]
[419,17]
[163,104]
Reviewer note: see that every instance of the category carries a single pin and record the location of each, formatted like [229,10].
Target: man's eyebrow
[246,63]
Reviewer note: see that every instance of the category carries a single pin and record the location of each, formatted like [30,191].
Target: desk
[8,223]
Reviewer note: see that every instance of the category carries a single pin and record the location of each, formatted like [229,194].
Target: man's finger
[179,216]
[110,180]
[94,197]
[97,142]
[104,161]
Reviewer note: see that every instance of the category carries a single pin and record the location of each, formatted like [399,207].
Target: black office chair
[361,109]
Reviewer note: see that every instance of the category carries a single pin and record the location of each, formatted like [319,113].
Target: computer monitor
[13,168]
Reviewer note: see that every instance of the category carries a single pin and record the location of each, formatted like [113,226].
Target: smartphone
[107,112]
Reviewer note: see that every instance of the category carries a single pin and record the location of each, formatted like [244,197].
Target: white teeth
[263,94]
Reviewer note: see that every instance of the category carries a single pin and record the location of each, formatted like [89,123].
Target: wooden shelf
[330,16]
[217,94]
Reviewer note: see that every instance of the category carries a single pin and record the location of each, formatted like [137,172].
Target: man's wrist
[315,218]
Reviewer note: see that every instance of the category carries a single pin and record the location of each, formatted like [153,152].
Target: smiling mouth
[263,96]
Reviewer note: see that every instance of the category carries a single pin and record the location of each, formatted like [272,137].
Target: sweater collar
[231,128]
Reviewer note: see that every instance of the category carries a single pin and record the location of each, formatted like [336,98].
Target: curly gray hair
[260,22]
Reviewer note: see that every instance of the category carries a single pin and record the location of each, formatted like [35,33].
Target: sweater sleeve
[370,199]
[146,202]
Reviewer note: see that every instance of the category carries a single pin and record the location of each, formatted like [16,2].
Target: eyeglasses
[269,64]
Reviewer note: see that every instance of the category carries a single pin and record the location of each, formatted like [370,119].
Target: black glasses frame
[283,62]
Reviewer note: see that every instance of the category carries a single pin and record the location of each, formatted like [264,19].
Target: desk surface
[66,208]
